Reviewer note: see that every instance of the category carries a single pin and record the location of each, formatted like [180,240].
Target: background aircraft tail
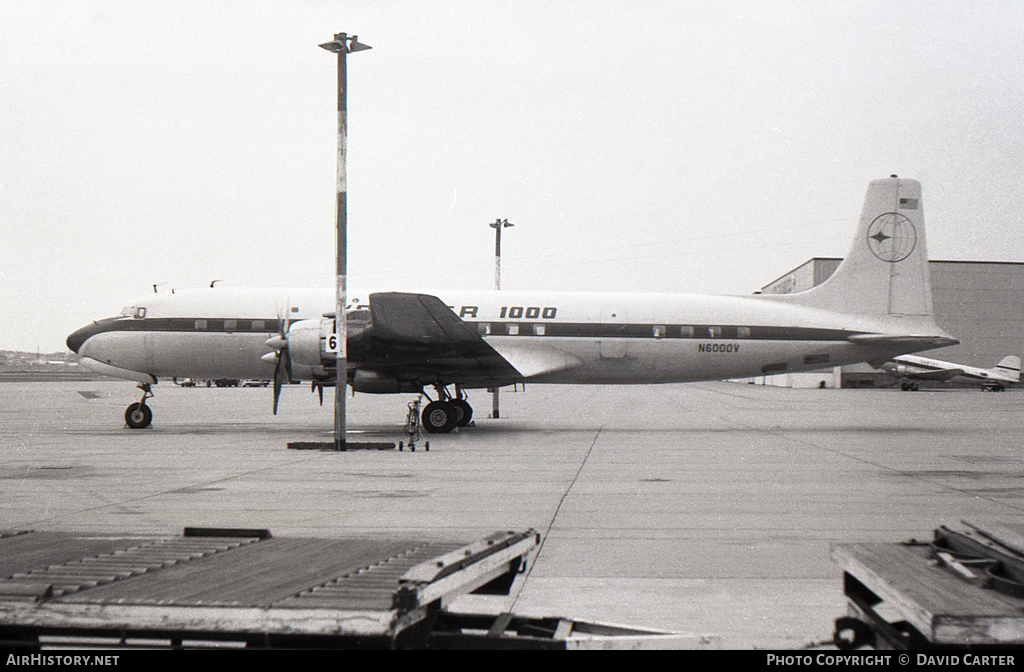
[886,271]
[1009,367]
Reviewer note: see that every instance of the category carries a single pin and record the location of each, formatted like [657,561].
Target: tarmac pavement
[706,509]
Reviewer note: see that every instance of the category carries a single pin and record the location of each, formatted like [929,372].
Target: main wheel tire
[138,416]
[463,411]
[439,417]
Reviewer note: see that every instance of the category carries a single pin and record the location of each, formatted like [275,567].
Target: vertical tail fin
[1010,367]
[886,270]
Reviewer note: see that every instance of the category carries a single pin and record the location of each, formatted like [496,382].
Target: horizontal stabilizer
[925,342]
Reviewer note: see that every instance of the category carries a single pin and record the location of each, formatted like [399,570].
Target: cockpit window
[140,312]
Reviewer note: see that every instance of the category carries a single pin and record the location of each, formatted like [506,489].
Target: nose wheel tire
[138,416]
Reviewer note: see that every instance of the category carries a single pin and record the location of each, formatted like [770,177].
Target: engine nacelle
[307,342]
[371,382]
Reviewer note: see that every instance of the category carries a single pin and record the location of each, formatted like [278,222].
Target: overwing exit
[910,369]
[876,306]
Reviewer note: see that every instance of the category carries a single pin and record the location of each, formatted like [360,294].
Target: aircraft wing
[417,319]
[417,338]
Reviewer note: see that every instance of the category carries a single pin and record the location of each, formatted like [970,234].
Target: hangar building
[981,303]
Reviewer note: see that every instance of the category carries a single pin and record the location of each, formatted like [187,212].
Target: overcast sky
[663,146]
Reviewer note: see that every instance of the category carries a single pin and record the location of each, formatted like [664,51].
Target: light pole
[342,45]
[497,225]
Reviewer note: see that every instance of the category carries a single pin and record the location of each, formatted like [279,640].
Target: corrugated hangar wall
[982,304]
[979,302]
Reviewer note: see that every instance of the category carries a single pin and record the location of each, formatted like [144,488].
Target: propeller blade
[278,380]
[277,386]
[284,364]
[282,360]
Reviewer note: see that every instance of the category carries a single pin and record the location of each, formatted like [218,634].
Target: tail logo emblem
[892,237]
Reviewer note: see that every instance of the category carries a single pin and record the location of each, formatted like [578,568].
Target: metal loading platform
[962,590]
[249,589]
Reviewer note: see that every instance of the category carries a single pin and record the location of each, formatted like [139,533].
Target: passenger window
[538,329]
[200,325]
[658,330]
[513,329]
[686,332]
[715,332]
[230,325]
[484,328]
[742,332]
[257,325]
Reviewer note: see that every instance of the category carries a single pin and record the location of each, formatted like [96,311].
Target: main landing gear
[448,412]
[138,415]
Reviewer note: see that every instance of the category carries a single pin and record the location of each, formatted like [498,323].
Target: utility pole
[342,45]
[497,225]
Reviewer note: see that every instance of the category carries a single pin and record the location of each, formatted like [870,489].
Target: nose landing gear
[139,415]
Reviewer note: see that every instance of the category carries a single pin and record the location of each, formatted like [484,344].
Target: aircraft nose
[80,336]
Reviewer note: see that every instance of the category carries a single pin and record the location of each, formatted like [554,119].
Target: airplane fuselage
[549,337]
[914,366]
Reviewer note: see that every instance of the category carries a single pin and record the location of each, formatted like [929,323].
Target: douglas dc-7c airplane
[877,305]
[910,369]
